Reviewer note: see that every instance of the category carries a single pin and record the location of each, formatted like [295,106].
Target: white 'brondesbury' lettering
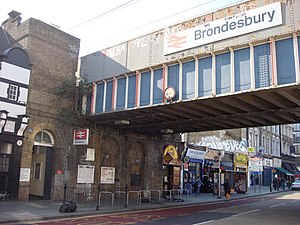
[242,23]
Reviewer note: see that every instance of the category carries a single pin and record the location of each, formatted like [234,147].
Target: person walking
[199,184]
[227,188]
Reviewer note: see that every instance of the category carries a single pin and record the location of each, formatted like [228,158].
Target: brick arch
[136,165]
[110,157]
[110,149]
[43,126]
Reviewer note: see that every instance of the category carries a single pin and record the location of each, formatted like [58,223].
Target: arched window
[43,138]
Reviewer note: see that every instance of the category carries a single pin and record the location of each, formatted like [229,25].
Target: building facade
[244,48]
[53,55]
[15,68]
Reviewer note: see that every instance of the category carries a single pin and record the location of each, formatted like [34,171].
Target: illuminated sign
[232,26]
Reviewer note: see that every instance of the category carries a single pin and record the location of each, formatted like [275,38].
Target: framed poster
[107,175]
[85,174]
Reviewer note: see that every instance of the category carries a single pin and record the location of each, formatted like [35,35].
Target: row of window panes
[151,84]
[4,163]
[12,92]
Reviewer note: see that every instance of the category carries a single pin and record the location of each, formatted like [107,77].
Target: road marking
[255,210]
[209,221]
[277,205]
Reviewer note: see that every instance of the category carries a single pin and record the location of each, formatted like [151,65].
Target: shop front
[289,163]
[239,176]
[267,171]
[193,168]
[172,166]
[213,177]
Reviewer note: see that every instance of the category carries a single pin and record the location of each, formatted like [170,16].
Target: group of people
[281,182]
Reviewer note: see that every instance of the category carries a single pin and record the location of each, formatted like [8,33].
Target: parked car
[296,185]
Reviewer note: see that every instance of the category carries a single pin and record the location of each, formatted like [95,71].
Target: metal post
[126,191]
[98,196]
[219,178]
[65,194]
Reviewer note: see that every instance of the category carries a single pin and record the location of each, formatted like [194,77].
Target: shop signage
[267,162]
[277,162]
[255,165]
[168,158]
[250,149]
[171,150]
[81,137]
[212,154]
[195,154]
[245,22]
[240,160]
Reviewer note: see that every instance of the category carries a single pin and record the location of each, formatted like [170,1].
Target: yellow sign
[171,150]
[240,158]
[250,149]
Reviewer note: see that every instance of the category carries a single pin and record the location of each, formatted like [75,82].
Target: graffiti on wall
[114,51]
[227,145]
[146,40]
[74,51]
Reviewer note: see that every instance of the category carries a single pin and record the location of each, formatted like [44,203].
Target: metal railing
[88,197]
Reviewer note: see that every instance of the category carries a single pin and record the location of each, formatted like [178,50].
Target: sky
[104,23]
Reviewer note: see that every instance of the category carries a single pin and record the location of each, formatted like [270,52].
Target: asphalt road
[281,208]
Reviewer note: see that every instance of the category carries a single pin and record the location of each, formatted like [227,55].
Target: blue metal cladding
[285,61]
[173,79]
[223,73]
[188,80]
[242,74]
[262,66]
[121,93]
[131,91]
[108,99]
[145,88]
[99,98]
[205,77]
[157,86]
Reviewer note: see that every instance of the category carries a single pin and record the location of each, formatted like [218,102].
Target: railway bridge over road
[243,78]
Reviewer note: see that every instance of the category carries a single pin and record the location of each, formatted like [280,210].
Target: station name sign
[246,22]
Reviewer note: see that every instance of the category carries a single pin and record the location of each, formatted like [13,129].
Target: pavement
[20,212]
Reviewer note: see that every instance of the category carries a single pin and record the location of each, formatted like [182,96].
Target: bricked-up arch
[136,165]
[109,157]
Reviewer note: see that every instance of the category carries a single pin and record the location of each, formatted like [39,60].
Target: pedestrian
[278,183]
[283,183]
[275,185]
[227,188]
[199,184]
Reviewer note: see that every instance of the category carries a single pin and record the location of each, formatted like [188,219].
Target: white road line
[209,221]
[255,210]
[277,205]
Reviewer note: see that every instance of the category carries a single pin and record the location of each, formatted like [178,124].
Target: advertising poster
[107,175]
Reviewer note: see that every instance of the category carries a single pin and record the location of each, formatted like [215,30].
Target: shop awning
[284,171]
[295,168]
[288,167]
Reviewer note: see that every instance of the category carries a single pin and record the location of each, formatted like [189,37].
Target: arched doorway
[41,166]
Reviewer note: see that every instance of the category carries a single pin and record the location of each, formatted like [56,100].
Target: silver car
[296,185]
